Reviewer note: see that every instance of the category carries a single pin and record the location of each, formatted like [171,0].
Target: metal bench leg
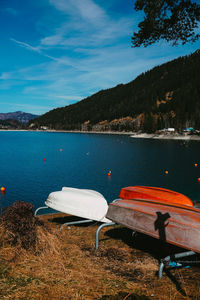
[173,257]
[76,222]
[98,231]
[39,208]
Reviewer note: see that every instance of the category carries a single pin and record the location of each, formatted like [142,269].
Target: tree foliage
[171,20]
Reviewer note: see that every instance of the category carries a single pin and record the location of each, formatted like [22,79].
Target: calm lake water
[83,161]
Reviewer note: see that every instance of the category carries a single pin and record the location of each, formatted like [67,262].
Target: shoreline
[166,136]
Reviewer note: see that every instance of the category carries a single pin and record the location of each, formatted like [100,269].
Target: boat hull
[170,223]
[82,203]
[154,194]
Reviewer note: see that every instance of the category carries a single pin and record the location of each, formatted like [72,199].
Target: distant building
[44,127]
[171,129]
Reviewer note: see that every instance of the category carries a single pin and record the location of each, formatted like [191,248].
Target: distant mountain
[18,115]
[166,96]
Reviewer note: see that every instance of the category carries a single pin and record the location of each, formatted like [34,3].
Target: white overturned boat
[87,204]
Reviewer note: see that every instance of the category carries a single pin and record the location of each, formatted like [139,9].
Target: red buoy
[44,159]
[198,179]
[3,189]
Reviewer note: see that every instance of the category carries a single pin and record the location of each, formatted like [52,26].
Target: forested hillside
[166,96]
[11,124]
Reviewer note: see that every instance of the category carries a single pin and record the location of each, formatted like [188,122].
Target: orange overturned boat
[160,213]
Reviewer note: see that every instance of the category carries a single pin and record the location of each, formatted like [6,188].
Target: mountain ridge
[20,116]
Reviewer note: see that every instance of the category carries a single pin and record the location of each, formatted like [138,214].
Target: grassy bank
[65,265]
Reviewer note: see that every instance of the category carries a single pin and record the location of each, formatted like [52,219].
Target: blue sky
[56,52]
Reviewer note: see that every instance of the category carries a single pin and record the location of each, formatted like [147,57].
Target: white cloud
[35,109]
[87,10]
[52,40]
[27,46]
[87,24]
[5,76]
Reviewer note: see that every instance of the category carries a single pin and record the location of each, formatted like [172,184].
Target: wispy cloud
[5,76]
[87,10]
[31,48]
[38,50]
[37,109]
[87,24]
[27,46]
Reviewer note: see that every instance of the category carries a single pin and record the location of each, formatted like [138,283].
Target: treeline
[166,96]
[11,124]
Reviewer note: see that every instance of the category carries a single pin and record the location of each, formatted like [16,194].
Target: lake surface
[33,164]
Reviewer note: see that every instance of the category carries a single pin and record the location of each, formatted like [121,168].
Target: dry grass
[64,265]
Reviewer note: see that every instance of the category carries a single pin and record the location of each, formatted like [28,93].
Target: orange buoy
[109,173]
[3,189]
[198,179]
[195,165]
[166,172]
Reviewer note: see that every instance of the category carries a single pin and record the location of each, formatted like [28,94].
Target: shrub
[20,223]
